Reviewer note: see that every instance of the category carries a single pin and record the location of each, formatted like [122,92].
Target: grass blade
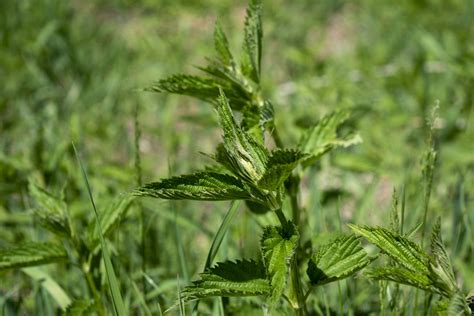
[117,300]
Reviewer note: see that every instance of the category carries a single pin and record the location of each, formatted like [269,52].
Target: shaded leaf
[323,137]
[280,164]
[221,46]
[110,218]
[458,306]
[337,260]
[80,308]
[51,211]
[278,248]
[208,186]
[404,276]
[440,264]
[253,33]
[240,278]
[400,249]
[31,254]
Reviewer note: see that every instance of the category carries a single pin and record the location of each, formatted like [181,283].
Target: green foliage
[80,308]
[253,32]
[117,300]
[278,245]
[51,211]
[405,252]
[337,260]
[323,136]
[240,278]
[200,186]
[31,254]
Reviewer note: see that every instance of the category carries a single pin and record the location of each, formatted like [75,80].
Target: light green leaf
[278,248]
[280,164]
[31,254]
[240,278]
[337,260]
[51,211]
[400,249]
[253,30]
[207,186]
[50,285]
[240,153]
[323,136]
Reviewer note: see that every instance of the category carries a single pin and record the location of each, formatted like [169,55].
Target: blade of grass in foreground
[216,243]
[117,300]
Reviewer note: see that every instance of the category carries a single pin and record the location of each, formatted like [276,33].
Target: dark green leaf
[337,260]
[80,308]
[51,211]
[208,186]
[241,278]
[31,254]
[280,164]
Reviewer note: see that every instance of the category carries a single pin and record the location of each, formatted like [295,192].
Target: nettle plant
[246,169]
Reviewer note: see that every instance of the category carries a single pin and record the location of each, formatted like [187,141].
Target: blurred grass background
[74,71]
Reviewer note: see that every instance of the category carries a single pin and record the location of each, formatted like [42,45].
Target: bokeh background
[75,71]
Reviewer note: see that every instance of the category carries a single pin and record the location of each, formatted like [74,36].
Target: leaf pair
[248,277]
[413,266]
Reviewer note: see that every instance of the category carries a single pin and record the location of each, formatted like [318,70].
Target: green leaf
[458,306]
[323,137]
[400,249]
[404,276]
[240,278]
[50,285]
[31,254]
[110,218]
[280,164]
[199,87]
[240,153]
[253,30]
[80,308]
[440,264]
[51,211]
[207,186]
[278,248]
[337,260]
[117,300]
[222,46]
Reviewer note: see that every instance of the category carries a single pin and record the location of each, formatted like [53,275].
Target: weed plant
[291,265]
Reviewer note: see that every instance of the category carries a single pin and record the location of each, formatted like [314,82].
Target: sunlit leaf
[337,260]
[278,248]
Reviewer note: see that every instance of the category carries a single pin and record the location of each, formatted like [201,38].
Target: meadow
[326,163]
